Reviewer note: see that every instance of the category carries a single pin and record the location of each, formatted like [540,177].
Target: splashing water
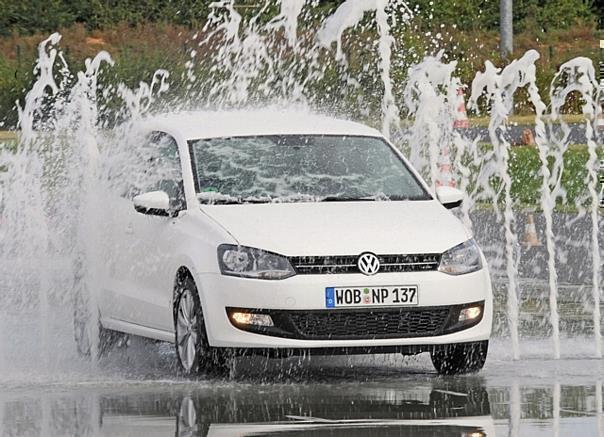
[581,77]
[547,202]
[72,143]
[500,88]
[349,14]
[430,98]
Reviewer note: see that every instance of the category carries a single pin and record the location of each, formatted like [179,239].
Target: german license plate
[393,295]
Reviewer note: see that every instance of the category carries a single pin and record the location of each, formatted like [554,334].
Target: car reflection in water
[451,408]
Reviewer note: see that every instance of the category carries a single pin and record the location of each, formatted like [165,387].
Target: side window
[159,169]
[165,169]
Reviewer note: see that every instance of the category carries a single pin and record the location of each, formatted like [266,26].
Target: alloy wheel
[187,331]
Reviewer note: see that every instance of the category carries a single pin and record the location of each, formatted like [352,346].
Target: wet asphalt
[379,396]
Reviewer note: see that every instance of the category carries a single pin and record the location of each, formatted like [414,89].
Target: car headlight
[461,259]
[247,262]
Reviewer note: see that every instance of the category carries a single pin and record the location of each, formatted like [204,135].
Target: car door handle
[130,229]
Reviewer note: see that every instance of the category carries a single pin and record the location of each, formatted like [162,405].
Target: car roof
[219,124]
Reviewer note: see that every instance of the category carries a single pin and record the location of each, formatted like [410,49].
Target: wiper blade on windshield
[348,199]
[214,198]
[256,200]
[412,198]
[374,198]
[233,201]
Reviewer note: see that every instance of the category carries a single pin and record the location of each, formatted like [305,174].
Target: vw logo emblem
[368,264]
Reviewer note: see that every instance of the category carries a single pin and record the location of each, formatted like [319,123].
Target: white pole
[599,413]
[556,408]
[515,410]
[506,28]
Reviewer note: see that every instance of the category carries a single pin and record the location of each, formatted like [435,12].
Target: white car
[286,233]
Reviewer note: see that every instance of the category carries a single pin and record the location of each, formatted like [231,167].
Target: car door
[143,284]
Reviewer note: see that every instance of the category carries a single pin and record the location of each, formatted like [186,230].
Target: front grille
[347,324]
[362,324]
[319,265]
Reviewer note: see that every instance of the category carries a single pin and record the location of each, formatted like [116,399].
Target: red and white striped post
[460,121]
[461,116]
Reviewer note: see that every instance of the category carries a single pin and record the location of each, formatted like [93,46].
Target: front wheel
[87,326]
[192,346]
[453,359]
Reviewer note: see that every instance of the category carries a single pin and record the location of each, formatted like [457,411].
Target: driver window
[162,170]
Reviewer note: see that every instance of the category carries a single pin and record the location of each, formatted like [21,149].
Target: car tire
[460,358]
[84,327]
[193,351]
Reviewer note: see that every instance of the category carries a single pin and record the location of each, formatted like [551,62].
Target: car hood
[342,228]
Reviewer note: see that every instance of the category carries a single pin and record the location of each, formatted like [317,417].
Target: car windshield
[294,168]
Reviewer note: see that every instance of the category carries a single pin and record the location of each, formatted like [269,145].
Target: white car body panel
[195,125]
[146,252]
[310,228]
[308,293]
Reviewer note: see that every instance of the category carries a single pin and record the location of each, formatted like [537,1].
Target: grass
[8,135]
[525,172]
[8,140]
[526,120]
[517,120]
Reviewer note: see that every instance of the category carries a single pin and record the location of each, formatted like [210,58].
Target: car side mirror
[153,203]
[450,197]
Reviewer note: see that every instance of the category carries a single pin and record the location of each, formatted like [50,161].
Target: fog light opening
[470,313]
[242,318]
[474,434]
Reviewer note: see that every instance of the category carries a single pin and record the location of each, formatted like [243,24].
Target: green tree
[545,15]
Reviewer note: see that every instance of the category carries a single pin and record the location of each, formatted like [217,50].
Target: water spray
[578,75]
[547,201]
[499,87]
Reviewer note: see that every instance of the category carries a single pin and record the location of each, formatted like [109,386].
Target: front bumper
[360,323]
[306,293]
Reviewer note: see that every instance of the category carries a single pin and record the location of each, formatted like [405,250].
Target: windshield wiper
[374,198]
[347,199]
[256,200]
[233,200]
[411,198]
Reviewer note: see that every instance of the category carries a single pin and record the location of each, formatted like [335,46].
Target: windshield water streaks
[302,169]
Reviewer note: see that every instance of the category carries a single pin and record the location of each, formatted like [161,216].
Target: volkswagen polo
[284,233]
